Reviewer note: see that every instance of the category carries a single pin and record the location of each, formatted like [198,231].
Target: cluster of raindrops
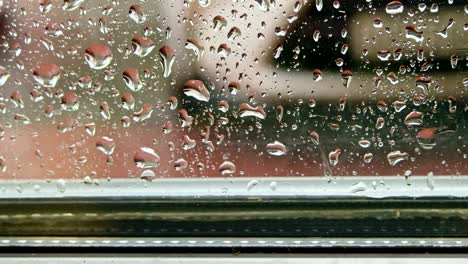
[219,84]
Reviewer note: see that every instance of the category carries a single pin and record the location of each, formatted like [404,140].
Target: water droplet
[319,5]
[336,4]
[131,78]
[364,143]
[4,76]
[147,175]
[224,50]
[427,138]
[316,35]
[167,127]
[378,23]
[22,119]
[197,90]
[414,34]
[69,5]
[279,113]
[204,3]
[70,101]
[219,22]
[227,167]
[144,113]
[392,78]
[106,145]
[3,164]
[188,143]
[346,76]
[128,102]
[61,185]
[173,102]
[251,184]
[146,158]
[90,129]
[314,136]
[17,99]
[414,119]
[85,82]
[142,46]
[98,56]
[382,106]
[184,118]
[223,106]
[423,83]
[368,157]
[36,96]
[317,75]
[246,110]
[276,148]
[394,7]
[233,33]
[166,55]
[396,157]
[180,164]
[384,55]
[333,156]
[47,74]
[193,45]
[380,123]
[105,110]
[358,187]
[454,61]
[234,87]
[399,106]
[136,14]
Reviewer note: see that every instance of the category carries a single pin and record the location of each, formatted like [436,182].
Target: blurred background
[333,88]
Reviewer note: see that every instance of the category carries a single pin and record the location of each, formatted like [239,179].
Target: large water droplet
[47,74]
[394,7]
[396,157]
[146,158]
[131,78]
[227,167]
[98,56]
[69,5]
[246,110]
[106,145]
[414,119]
[70,101]
[136,14]
[142,46]
[276,148]
[167,56]
[197,90]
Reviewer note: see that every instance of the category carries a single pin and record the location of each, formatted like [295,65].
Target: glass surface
[153,89]
[177,123]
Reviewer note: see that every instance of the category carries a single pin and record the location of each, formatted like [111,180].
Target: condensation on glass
[95,90]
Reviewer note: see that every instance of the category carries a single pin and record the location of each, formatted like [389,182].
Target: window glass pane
[154,89]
